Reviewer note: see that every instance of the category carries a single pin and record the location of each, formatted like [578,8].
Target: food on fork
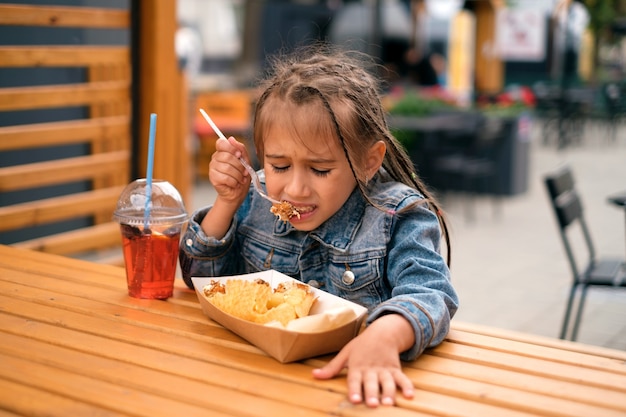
[284,211]
[255,301]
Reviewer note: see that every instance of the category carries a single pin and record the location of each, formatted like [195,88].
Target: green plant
[412,104]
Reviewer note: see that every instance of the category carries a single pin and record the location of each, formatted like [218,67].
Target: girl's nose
[297,186]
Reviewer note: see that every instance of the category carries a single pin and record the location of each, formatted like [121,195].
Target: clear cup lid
[165,207]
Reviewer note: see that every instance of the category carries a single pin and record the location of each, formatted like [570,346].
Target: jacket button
[189,242]
[347,277]
[314,283]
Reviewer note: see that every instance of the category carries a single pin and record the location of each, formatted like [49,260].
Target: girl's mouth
[304,209]
[289,212]
[303,212]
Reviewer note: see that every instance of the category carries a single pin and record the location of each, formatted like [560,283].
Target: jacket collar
[339,230]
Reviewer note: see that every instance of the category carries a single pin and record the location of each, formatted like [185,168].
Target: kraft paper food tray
[332,322]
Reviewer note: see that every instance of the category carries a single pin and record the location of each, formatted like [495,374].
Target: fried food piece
[284,211]
[297,294]
[243,299]
[256,302]
[282,313]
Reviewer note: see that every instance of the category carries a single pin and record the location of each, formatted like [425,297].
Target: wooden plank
[63,170]
[27,261]
[571,391]
[97,73]
[609,378]
[508,398]
[63,56]
[49,210]
[64,133]
[104,73]
[47,404]
[178,320]
[59,16]
[186,321]
[551,342]
[81,388]
[6,413]
[264,372]
[445,405]
[70,308]
[100,236]
[83,94]
[348,410]
[554,354]
[58,278]
[181,384]
[115,259]
[116,336]
[472,390]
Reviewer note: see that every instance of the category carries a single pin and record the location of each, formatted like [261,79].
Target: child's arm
[416,316]
[218,219]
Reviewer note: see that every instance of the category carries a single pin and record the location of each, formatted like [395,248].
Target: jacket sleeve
[205,256]
[420,280]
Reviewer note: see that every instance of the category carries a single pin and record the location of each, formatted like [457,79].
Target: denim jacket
[393,258]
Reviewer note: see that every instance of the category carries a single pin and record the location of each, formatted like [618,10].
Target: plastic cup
[150,243]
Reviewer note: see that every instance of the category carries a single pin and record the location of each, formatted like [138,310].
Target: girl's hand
[231,182]
[373,362]
[229,178]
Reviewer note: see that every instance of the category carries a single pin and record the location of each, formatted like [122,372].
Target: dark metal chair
[594,271]
[615,105]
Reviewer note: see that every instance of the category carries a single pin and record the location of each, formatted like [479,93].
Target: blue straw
[153,118]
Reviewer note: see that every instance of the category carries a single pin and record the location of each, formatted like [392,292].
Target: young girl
[367,230]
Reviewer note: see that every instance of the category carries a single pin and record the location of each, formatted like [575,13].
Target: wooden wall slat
[63,170]
[64,133]
[106,95]
[63,56]
[97,74]
[59,16]
[35,213]
[25,98]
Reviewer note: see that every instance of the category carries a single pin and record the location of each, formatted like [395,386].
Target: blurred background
[487,96]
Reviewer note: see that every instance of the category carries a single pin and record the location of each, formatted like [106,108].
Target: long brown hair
[343,85]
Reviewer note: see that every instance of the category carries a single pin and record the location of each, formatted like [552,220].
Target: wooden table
[73,343]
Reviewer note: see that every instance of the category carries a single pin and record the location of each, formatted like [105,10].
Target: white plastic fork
[256,182]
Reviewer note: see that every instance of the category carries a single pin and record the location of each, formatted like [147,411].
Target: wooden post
[163,90]
[489,67]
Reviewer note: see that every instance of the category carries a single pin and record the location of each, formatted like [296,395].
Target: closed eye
[320,172]
[279,169]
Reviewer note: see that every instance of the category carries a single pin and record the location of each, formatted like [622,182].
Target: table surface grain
[73,343]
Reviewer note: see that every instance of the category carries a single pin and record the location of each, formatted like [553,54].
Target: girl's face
[312,173]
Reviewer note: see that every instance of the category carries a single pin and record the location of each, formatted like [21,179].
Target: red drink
[151,223]
[150,259]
